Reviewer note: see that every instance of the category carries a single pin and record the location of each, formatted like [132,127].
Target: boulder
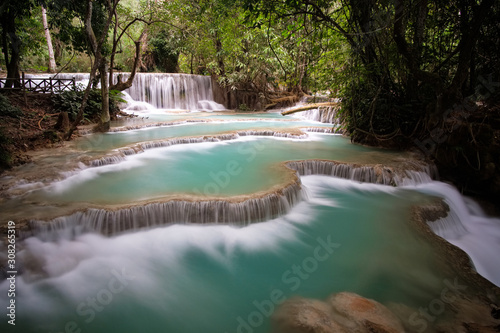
[342,312]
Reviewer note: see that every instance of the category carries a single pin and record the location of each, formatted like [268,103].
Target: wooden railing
[47,85]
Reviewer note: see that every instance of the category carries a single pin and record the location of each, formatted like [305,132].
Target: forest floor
[31,129]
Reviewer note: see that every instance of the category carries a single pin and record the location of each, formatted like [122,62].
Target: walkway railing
[47,85]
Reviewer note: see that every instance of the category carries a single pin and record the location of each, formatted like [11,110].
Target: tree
[255,59]
[10,13]
[469,19]
[122,26]
[52,60]
[409,63]
[99,17]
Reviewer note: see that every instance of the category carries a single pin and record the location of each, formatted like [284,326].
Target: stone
[369,315]
[342,312]
[299,315]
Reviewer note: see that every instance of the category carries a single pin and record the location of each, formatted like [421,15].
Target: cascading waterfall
[141,147]
[327,115]
[278,203]
[175,211]
[351,231]
[163,91]
[174,91]
[377,174]
[333,130]
[469,228]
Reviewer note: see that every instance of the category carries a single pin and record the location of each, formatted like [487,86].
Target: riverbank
[27,124]
[465,146]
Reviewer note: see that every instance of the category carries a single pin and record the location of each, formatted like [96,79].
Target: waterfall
[120,154]
[327,115]
[467,227]
[112,222]
[272,133]
[377,174]
[239,212]
[173,91]
[334,130]
[163,91]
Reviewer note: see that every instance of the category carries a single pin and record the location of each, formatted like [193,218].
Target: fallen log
[307,107]
[282,101]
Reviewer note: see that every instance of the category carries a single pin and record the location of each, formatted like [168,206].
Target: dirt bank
[29,129]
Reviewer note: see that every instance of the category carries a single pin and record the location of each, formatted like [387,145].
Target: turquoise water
[166,115]
[153,116]
[344,236]
[105,142]
[237,167]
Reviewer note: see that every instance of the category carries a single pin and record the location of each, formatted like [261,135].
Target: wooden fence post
[23,85]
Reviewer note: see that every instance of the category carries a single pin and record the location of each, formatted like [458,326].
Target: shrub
[7,109]
[71,100]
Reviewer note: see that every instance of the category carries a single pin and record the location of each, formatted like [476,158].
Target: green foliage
[68,16]
[243,107]
[70,101]
[165,49]
[348,49]
[405,62]
[31,34]
[7,109]
[18,27]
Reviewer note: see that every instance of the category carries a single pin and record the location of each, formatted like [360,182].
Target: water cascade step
[242,212]
[164,91]
[174,91]
[112,222]
[323,114]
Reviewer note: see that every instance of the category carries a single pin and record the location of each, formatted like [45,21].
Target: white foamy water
[225,275]
[469,228]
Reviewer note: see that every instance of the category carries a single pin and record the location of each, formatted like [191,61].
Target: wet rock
[305,315]
[342,312]
[367,315]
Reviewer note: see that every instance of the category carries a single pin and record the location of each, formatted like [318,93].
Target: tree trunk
[470,34]
[9,34]
[99,63]
[308,107]
[103,125]
[95,66]
[120,85]
[219,50]
[52,60]
[5,47]
[404,49]
[79,116]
